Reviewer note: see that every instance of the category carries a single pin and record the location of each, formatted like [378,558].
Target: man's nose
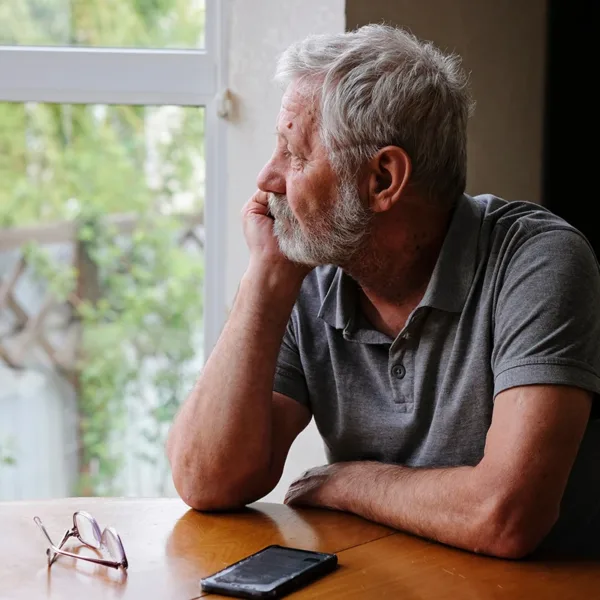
[270,179]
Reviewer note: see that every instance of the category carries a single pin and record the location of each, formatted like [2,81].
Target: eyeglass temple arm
[98,561]
[67,535]
[39,523]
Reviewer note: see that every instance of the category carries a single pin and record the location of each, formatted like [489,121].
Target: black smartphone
[272,572]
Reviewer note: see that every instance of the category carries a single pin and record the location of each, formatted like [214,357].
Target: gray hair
[379,86]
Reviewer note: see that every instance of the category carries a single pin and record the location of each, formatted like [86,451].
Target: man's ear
[388,174]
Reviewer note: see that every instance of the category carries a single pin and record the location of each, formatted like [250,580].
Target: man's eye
[289,153]
[294,158]
[297,158]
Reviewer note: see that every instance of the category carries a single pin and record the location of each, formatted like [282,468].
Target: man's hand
[267,263]
[315,487]
[258,227]
[261,240]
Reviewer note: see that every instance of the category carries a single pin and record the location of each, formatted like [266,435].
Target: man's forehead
[297,110]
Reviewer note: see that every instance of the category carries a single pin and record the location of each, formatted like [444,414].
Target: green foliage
[86,164]
[61,282]
[116,23]
[137,341]
[56,160]
[138,336]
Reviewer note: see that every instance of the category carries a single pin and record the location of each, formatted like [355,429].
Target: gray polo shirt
[513,300]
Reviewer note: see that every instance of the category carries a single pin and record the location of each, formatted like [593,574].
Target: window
[111,260]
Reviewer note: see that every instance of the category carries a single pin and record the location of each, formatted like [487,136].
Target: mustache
[279,207]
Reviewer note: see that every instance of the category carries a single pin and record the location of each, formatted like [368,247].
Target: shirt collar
[339,305]
[454,271]
[450,281]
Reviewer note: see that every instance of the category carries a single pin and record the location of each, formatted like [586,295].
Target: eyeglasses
[87,531]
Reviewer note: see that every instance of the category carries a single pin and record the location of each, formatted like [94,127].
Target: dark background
[571,141]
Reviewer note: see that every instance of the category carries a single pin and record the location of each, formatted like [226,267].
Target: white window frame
[150,77]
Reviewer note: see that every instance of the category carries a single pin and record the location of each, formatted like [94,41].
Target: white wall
[259,32]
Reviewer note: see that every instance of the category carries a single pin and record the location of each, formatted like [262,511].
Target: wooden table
[171,547]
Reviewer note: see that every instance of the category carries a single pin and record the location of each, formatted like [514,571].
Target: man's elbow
[513,545]
[201,490]
[208,498]
[514,530]
[212,489]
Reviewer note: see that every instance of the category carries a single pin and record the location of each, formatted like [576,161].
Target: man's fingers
[261,197]
[258,204]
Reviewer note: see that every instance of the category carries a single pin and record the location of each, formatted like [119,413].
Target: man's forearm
[450,505]
[222,434]
[438,504]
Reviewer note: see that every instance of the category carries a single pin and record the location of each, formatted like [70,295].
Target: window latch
[224,102]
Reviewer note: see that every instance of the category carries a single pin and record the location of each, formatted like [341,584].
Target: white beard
[340,232]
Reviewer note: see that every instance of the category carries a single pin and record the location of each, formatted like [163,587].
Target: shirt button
[398,371]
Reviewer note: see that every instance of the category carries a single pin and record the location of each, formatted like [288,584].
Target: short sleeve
[547,315]
[289,374]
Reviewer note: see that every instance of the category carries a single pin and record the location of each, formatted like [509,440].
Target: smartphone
[273,572]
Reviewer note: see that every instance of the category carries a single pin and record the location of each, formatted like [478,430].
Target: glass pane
[103,23]
[88,531]
[113,545]
[101,294]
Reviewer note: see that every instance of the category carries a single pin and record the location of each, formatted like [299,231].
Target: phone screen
[270,569]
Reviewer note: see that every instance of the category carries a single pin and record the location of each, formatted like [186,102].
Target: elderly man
[447,346]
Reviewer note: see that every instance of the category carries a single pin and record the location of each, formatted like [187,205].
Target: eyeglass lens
[111,540]
[89,532]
